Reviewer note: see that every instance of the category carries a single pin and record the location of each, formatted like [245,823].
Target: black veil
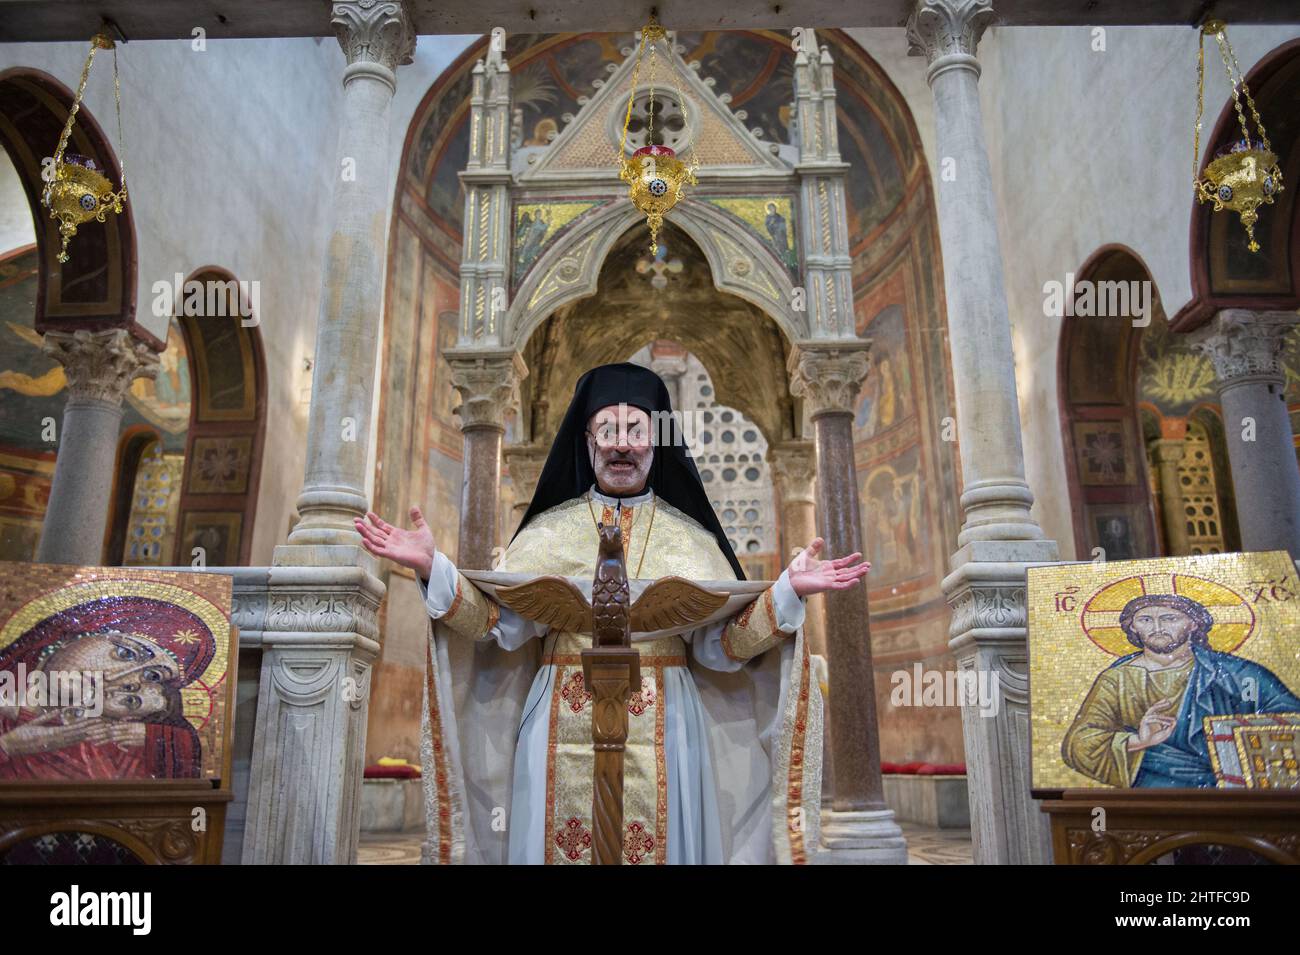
[568,472]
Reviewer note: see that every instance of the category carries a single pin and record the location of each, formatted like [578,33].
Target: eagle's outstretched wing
[552,601]
[673,602]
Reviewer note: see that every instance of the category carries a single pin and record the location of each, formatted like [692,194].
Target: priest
[723,756]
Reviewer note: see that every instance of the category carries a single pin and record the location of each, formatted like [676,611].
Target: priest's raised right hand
[412,548]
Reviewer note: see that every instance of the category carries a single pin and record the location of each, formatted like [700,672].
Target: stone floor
[925,846]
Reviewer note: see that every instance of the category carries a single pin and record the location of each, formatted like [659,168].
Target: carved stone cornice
[488,385]
[100,366]
[794,468]
[828,377]
[989,607]
[1244,345]
[378,33]
[947,32]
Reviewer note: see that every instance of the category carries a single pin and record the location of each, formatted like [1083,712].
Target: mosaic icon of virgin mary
[159,670]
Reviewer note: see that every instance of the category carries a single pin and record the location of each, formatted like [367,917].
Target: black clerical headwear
[568,472]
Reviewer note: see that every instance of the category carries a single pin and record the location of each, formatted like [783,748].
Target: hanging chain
[121,142]
[1232,82]
[1250,100]
[98,41]
[636,69]
[72,115]
[1200,107]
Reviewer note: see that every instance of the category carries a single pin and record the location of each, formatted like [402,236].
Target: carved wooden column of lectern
[611,668]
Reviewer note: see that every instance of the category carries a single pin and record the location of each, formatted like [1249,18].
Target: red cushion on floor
[942,769]
[392,772]
[888,768]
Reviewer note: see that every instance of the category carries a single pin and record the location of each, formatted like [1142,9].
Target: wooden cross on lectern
[611,667]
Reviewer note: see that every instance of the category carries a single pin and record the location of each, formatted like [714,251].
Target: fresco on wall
[886,396]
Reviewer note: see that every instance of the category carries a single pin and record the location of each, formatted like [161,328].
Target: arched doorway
[1145,457]
[227,423]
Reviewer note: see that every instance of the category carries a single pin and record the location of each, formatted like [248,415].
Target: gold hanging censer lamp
[76,189]
[656,176]
[1244,174]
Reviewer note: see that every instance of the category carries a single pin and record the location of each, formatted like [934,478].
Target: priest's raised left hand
[808,575]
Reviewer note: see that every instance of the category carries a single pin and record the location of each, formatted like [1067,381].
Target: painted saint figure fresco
[1142,723]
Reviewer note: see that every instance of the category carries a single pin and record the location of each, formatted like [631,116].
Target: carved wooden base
[1140,826]
[609,673]
[156,822]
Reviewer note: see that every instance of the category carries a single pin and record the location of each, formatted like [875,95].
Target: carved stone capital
[100,366]
[1245,345]
[1168,451]
[939,29]
[488,385]
[794,468]
[525,462]
[374,32]
[829,377]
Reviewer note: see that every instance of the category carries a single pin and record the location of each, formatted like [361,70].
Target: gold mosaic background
[1074,633]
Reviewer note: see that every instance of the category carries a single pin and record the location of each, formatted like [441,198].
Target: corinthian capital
[1242,344]
[488,384]
[939,28]
[100,366]
[374,31]
[828,377]
[794,466]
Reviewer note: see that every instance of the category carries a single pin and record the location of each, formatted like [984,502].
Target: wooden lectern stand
[611,668]
[1140,826]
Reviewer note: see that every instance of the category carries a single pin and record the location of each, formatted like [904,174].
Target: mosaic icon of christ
[1142,723]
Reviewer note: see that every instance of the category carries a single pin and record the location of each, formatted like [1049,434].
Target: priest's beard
[621,472]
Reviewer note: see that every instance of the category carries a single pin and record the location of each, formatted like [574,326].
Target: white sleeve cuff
[788,605]
[440,591]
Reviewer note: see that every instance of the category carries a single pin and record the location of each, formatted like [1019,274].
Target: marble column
[1168,453]
[99,367]
[321,631]
[999,537]
[1246,349]
[488,383]
[524,463]
[794,473]
[376,37]
[859,827]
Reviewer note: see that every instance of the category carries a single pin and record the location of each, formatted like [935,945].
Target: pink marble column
[488,382]
[827,375]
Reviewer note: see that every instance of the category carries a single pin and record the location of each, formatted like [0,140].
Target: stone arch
[1129,395]
[570,268]
[96,288]
[741,346]
[224,443]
